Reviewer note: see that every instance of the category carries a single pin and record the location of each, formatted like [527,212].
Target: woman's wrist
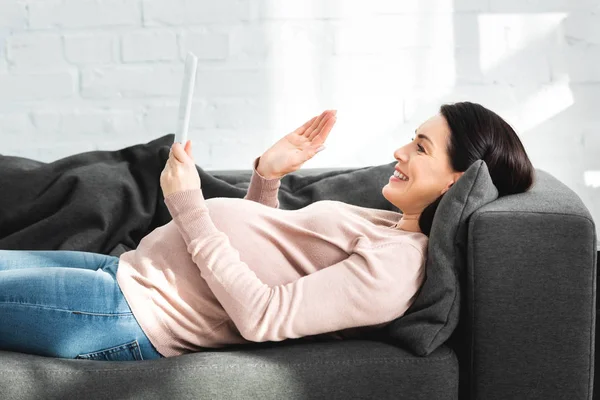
[265,174]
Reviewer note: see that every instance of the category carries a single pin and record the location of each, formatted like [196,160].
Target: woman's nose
[400,154]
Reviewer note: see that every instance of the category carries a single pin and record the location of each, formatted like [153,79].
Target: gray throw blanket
[107,201]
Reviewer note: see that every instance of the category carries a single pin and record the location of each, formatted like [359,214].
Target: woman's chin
[393,188]
[392,195]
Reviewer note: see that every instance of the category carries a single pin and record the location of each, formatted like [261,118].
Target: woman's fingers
[315,123]
[324,127]
[318,129]
[322,134]
[313,127]
[303,128]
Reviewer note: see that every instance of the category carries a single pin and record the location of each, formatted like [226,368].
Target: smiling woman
[230,271]
[443,148]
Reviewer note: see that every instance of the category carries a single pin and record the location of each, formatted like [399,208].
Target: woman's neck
[409,223]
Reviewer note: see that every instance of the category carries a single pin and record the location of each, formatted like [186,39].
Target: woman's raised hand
[296,148]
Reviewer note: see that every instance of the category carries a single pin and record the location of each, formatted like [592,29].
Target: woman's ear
[456,176]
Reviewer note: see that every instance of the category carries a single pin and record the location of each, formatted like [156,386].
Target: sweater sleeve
[373,285]
[263,190]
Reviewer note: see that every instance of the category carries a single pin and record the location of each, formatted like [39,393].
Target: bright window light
[503,35]
[592,178]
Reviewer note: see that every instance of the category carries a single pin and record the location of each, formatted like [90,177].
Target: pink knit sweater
[229,270]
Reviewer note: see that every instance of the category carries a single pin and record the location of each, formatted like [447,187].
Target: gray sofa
[527,331]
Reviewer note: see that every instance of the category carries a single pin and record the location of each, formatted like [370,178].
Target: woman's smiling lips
[394,179]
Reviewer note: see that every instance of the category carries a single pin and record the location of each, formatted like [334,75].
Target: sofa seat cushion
[295,369]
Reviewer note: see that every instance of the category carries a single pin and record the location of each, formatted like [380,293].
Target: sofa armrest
[531,295]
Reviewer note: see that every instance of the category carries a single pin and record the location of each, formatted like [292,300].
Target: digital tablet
[185,101]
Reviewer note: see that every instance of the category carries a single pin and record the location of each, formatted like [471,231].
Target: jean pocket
[125,352]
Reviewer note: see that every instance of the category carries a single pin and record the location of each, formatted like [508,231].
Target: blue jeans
[67,304]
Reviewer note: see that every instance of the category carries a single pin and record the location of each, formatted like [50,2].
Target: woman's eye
[419,147]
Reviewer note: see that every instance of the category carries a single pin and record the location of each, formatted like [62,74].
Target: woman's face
[426,163]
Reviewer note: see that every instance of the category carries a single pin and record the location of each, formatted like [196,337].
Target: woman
[227,271]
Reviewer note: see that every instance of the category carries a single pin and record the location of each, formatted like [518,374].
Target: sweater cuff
[261,182]
[180,202]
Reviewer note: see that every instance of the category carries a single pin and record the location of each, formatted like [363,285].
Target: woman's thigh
[21,259]
[69,313]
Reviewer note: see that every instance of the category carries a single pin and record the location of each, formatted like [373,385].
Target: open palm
[299,146]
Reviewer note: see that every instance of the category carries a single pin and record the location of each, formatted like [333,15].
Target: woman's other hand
[180,171]
[296,148]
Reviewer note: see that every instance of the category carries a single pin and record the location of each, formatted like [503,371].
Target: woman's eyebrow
[421,136]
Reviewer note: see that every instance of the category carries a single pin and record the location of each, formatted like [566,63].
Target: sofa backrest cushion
[434,314]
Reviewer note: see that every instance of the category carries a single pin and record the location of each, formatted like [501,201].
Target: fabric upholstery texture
[433,316]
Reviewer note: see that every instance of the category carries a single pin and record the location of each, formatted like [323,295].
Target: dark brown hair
[477,133]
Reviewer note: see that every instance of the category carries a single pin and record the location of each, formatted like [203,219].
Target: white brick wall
[83,14]
[149,45]
[35,51]
[78,75]
[91,48]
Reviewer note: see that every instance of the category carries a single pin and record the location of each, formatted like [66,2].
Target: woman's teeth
[401,176]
